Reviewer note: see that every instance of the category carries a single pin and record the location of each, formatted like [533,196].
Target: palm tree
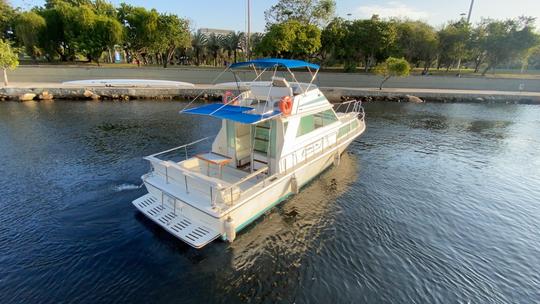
[198,43]
[255,40]
[214,44]
[231,43]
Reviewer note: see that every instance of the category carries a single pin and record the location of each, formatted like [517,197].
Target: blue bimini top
[231,112]
[272,62]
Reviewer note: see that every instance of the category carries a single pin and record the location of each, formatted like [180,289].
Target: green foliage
[8,58]
[417,41]
[368,38]
[232,43]
[304,29]
[141,28]
[392,67]
[333,39]
[29,27]
[507,39]
[214,44]
[7,13]
[198,43]
[101,34]
[316,12]
[533,58]
[453,41]
[291,39]
[172,33]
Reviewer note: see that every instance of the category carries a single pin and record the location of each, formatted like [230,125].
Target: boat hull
[198,228]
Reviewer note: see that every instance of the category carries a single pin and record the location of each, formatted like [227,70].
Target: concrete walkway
[61,91]
[58,74]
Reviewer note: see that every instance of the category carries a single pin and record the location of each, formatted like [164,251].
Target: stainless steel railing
[185,148]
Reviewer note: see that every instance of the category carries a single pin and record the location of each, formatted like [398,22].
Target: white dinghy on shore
[129,83]
[275,137]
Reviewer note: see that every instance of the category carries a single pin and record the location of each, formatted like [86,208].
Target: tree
[418,42]
[254,43]
[453,41]
[103,34]
[8,59]
[198,43]
[7,13]
[232,43]
[533,58]
[141,27]
[52,39]
[333,39]
[368,38]
[392,67]
[214,45]
[29,27]
[291,39]
[508,39]
[173,33]
[316,12]
[475,45]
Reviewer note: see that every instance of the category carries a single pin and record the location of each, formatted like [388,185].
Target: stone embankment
[208,93]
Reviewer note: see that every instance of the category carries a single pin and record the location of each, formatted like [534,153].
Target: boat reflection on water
[274,248]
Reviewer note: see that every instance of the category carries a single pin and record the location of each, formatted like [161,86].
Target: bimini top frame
[272,62]
[245,114]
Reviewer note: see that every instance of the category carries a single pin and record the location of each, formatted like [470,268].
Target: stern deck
[187,230]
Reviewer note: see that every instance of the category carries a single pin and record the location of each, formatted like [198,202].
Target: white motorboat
[275,137]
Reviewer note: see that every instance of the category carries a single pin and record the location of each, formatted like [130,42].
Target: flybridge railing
[351,106]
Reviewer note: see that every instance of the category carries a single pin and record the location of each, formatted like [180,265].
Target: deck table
[216,159]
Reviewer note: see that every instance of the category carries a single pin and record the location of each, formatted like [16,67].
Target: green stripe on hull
[281,199]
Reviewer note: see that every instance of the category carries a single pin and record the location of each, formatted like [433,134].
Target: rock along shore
[208,93]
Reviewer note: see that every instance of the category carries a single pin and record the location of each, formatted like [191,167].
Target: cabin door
[242,143]
[264,144]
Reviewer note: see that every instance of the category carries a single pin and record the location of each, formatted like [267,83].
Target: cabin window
[343,130]
[354,124]
[312,122]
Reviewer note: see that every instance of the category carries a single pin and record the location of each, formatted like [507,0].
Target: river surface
[436,203]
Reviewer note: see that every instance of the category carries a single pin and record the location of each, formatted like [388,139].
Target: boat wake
[125,186]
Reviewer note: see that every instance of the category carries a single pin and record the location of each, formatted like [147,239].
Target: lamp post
[468,22]
[248,55]
[470,11]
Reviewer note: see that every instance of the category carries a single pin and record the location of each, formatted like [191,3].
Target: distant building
[208,31]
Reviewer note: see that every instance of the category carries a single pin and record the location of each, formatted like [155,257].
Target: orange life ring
[226,97]
[285,105]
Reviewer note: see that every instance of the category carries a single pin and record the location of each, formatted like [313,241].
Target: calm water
[436,203]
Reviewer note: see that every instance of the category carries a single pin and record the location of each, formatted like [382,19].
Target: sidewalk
[61,91]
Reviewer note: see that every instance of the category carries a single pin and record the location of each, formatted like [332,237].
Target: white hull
[198,228]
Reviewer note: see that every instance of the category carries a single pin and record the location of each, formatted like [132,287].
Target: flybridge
[263,100]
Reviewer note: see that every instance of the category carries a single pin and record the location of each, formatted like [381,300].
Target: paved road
[202,76]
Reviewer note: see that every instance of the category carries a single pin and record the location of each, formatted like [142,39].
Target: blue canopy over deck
[272,62]
[231,112]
